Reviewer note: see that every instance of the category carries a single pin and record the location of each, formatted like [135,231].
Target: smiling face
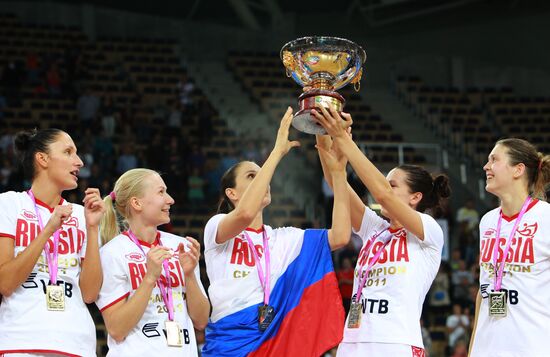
[61,163]
[153,207]
[398,181]
[500,175]
[245,173]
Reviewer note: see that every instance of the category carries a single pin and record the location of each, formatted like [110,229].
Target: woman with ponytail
[400,256]
[49,253]
[152,298]
[263,279]
[512,314]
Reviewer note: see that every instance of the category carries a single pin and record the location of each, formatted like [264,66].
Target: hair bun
[442,186]
[22,140]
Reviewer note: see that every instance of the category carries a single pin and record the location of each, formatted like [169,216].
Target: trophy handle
[357,80]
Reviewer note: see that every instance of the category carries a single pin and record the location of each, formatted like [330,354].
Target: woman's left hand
[94,207]
[333,157]
[190,258]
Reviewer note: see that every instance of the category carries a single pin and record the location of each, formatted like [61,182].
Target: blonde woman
[152,298]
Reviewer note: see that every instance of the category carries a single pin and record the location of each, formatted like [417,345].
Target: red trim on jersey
[43,204]
[255,230]
[114,302]
[508,219]
[39,351]
[146,244]
[5,235]
[394,230]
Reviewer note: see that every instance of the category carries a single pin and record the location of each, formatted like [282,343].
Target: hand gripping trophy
[321,65]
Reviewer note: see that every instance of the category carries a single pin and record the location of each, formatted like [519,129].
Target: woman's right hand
[334,159]
[155,257]
[282,144]
[60,214]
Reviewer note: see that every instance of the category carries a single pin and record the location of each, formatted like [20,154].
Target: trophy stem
[322,84]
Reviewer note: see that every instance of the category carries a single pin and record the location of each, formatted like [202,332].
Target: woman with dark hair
[512,315]
[263,278]
[44,279]
[399,258]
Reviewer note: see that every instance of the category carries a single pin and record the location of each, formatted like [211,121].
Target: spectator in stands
[457,325]
[426,338]
[175,117]
[6,140]
[32,67]
[345,281]
[251,153]
[109,114]
[53,80]
[104,151]
[196,159]
[467,220]
[185,88]
[127,160]
[243,303]
[36,292]
[439,292]
[87,107]
[461,349]
[518,175]
[143,264]
[88,159]
[195,185]
[155,153]
[462,273]
[404,195]
[5,173]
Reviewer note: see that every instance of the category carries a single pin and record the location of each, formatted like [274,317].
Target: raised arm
[250,203]
[15,270]
[376,183]
[91,276]
[339,234]
[357,207]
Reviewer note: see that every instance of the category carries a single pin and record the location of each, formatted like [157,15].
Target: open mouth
[75,174]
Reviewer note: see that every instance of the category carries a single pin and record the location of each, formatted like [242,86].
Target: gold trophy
[321,65]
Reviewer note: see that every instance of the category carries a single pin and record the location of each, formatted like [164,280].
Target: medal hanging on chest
[498,304]
[354,317]
[55,294]
[356,307]
[266,312]
[55,298]
[174,335]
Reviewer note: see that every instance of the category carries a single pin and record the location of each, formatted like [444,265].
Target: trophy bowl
[321,65]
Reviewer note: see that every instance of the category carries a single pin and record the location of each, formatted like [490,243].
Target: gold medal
[55,298]
[354,317]
[174,336]
[497,304]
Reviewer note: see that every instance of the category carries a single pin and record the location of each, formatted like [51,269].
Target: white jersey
[232,264]
[25,323]
[124,267]
[397,284]
[525,330]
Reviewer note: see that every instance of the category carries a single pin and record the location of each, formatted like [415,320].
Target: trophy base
[304,121]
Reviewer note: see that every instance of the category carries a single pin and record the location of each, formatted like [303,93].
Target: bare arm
[91,275]
[123,316]
[250,203]
[15,270]
[339,234]
[197,303]
[376,183]
[357,208]
[478,304]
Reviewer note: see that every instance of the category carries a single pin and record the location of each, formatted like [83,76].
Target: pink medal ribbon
[499,271]
[51,259]
[264,280]
[165,289]
[362,280]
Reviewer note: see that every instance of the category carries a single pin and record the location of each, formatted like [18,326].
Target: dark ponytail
[28,143]
[228,181]
[433,189]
